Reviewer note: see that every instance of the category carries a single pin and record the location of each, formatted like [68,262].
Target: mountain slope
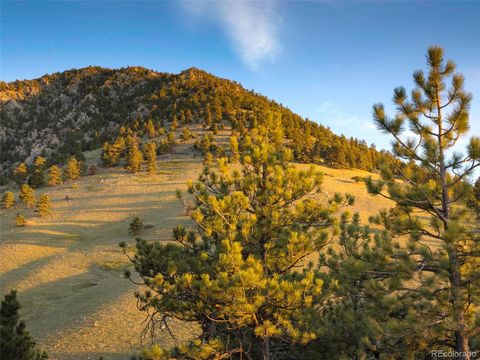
[63,114]
[68,266]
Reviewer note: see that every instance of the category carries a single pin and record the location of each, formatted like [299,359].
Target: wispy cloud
[251,26]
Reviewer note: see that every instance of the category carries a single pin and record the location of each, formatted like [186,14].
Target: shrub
[135,226]
[8,200]
[20,220]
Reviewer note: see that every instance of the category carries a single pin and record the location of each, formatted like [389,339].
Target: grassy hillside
[68,267]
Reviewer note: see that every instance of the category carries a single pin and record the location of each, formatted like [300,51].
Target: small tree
[174,124]
[72,170]
[20,173]
[208,159]
[15,341]
[136,226]
[150,154]
[151,132]
[234,154]
[186,134]
[44,206]
[27,195]
[38,172]
[20,220]
[207,122]
[134,159]
[171,137]
[54,176]
[8,200]
[112,152]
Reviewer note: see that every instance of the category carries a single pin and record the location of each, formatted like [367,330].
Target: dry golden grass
[68,266]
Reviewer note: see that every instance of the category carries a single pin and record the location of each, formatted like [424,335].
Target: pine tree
[72,170]
[38,172]
[20,220]
[420,276]
[186,134]
[247,281]
[54,176]
[15,342]
[171,138]
[208,159]
[111,154]
[134,159]
[44,207]
[207,122]
[8,200]
[20,173]
[205,144]
[151,132]
[174,124]
[234,154]
[26,195]
[150,154]
[136,226]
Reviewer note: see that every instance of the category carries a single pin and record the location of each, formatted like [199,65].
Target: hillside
[68,266]
[66,113]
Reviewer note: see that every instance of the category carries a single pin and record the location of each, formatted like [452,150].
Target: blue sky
[328,61]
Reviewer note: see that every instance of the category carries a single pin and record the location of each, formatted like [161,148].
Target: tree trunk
[460,333]
[266,349]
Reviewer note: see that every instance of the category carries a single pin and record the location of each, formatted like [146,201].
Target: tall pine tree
[420,276]
[247,282]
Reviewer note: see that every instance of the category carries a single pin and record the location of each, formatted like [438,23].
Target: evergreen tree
[247,282]
[134,159]
[110,155]
[72,170]
[20,220]
[26,195]
[420,276]
[136,226]
[38,172]
[171,138]
[186,134]
[207,122]
[205,144]
[20,173]
[54,176]
[208,159]
[151,132]
[15,342]
[234,154]
[8,200]
[150,154]
[44,207]
[174,124]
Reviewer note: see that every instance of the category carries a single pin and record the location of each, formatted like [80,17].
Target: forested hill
[63,114]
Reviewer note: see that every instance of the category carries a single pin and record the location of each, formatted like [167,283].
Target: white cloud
[251,26]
